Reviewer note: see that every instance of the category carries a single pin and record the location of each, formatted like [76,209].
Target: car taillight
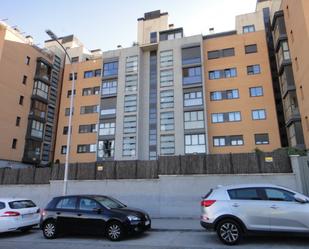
[43,212]
[207,203]
[10,214]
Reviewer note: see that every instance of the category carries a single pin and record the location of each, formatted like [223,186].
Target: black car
[92,214]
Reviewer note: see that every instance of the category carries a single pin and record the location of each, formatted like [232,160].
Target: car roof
[86,195]
[250,185]
[13,199]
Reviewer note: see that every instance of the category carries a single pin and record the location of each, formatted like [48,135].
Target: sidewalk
[175,224]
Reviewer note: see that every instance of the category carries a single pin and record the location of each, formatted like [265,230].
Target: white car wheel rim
[229,232]
[114,231]
[49,230]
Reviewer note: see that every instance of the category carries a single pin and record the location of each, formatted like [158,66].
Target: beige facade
[245,104]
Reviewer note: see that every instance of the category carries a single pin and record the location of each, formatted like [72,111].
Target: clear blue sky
[106,23]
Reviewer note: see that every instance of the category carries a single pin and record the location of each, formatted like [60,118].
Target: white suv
[18,214]
[233,211]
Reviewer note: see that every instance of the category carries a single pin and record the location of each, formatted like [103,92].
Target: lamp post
[66,167]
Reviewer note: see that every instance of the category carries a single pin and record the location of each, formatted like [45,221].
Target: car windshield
[109,202]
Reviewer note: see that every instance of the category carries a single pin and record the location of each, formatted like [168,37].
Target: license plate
[147,222]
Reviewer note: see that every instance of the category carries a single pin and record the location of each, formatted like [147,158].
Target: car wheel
[114,231]
[229,232]
[49,230]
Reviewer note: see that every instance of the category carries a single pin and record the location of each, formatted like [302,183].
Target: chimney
[171,26]
[119,46]
[211,30]
[30,39]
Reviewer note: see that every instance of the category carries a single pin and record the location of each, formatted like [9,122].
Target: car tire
[49,229]
[114,231]
[229,231]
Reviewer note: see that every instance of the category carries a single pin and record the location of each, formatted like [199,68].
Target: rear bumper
[11,224]
[207,225]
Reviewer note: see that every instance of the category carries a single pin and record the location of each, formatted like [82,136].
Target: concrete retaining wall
[167,196]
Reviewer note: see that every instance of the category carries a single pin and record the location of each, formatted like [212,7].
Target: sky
[105,24]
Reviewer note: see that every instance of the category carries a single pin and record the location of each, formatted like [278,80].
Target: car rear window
[21,204]
[244,194]
[2,205]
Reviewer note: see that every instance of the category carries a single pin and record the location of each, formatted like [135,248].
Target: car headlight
[133,218]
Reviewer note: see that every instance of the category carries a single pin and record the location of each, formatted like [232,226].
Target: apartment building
[30,79]
[290,30]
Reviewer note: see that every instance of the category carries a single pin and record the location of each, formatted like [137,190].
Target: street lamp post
[66,167]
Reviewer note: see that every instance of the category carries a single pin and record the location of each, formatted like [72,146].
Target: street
[165,238]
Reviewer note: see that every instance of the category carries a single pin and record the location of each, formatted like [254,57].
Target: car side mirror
[300,199]
[97,210]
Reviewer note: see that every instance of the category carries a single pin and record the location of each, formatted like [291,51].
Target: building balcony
[291,115]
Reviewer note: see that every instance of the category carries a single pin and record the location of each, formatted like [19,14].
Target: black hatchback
[92,214]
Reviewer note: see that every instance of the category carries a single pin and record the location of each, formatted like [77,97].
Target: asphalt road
[150,240]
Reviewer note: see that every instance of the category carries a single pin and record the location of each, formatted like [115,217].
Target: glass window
[213,54]
[166,58]
[40,89]
[232,94]
[217,117]
[258,114]
[213,75]
[193,99]
[129,144]
[129,124]
[86,148]
[89,128]
[249,49]
[261,138]
[153,37]
[63,149]
[21,204]
[110,68]
[38,109]
[89,109]
[191,55]
[167,144]
[110,111]
[192,75]
[106,148]
[219,141]
[131,83]
[107,128]
[97,73]
[234,116]
[88,74]
[67,203]
[274,194]
[195,143]
[256,91]
[254,69]
[71,76]
[88,204]
[69,93]
[167,99]
[244,194]
[67,111]
[131,64]
[194,120]
[87,91]
[37,129]
[216,96]
[109,87]
[248,29]
[230,73]
[236,140]
[166,78]
[228,52]
[130,103]
[167,121]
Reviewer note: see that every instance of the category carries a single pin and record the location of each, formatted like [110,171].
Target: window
[75,59]
[88,128]
[244,194]
[71,76]
[258,114]
[70,93]
[213,54]
[192,75]
[109,87]
[153,37]
[195,143]
[14,143]
[67,111]
[97,73]
[110,68]
[86,148]
[63,149]
[107,128]
[217,117]
[89,109]
[166,78]
[21,204]
[256,91]
[191,55]
[225,73]
[88,74]
[21,100]
[274,194]
[130,103]
[110,111]
[234,116]
[129,124]
[219,141]
[91,91]
[234,140]
[284,52]
[129,144]
[167,144]
[232,94]
[40,89]
[248,29]
[67,203]
[27,61]
[65,130]
[221,53]
[88,204]
[166,58]
[17,121]
[254,69]
[193,99]
[228,52]
[24,79]
[38,109]
[37,129]
[167,121]
[194,120]
[167,99]
[131,64]
[225,117]
[261,138]
[131,83]
[106,148]
[249,49]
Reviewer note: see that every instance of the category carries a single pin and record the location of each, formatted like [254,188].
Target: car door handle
[274,207]
[79,214]
[235,205]
[58,213]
